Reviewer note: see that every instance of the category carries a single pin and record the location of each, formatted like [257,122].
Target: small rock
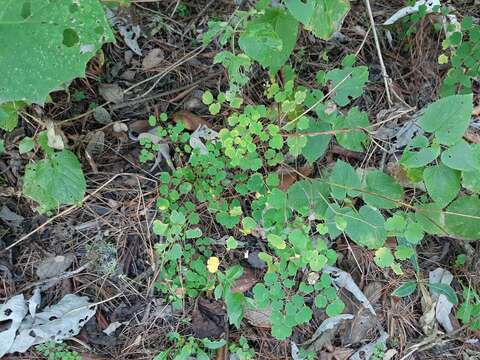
[111,92]
[255,262]
[54,265]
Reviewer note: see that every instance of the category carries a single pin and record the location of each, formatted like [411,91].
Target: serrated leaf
[442,183]
[323,17]
[63,35]
[270,38]
[350,135]
[405,289]
[382,191]
[444,289]
[54,181]
[9,114]
[448,118]
[462,218]
[462,156]
[383,257]
[344,179]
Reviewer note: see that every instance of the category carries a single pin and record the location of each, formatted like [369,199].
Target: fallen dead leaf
[190,121]
[153,59]
[54,265]
[245,282]
[289,177]
[208,319]
[259,317]
[111,92]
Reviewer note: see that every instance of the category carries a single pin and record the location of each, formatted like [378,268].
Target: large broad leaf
[46,43]
[367,227]
[316,145]
[348,83]
[323,17]
[382,190]
[442,183]
[462,156]
[270,38]
[344,180]
[56,180]
[349,130]
[307,196]
[462,218]
[448,118]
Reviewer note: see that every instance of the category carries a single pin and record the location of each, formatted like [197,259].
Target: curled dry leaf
[191,121]
[153,59]
[208,319]
[54,137]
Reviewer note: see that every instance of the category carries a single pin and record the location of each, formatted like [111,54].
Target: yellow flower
[212,264]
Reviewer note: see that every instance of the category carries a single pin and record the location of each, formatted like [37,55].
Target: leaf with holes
[47,43]
[462,156]
[55,180]
[323,17]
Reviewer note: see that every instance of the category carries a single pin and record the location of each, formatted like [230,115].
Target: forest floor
[107,244]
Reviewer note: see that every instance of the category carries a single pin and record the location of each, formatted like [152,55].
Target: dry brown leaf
[245,282]
[476,111]
[153,59]
[289,177]
[208,319]
[190,121]
[259,318]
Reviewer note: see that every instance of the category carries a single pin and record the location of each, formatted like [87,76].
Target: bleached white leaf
[342,279]
[129,32]
[14,310]
[112,327]
[205,133]
[408,10]
[34,302]
[443,307]
[295,351]
[55,140]
[329,324]
[54,265]
[55,323]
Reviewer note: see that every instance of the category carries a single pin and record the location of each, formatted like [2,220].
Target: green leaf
[448,118]
[270,38]
[234,303]
[9,115]
[345,176]
[335,308]
[231,243]
[307,196]
[382,190]
[430,217]
[2,146]
[26,145]
[316,145]
[462,157]
[276,241]
[193,233]
[462,218]
[366,227]
[207,97]
[423,156]
[414,233]
[159,228]
[348,83]
[296,144]
[54,181]
[403,252]
[350,135]
[471,180]
[405,289]
[442,183]
[62,34]
[444,289]
[213,344]
[323,17]
[383,257]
